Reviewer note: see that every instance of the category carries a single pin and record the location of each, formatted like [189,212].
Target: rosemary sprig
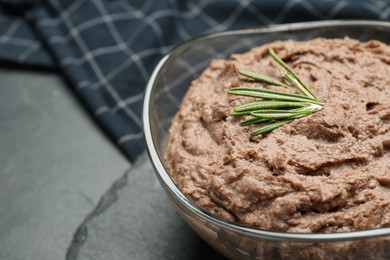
[277,108]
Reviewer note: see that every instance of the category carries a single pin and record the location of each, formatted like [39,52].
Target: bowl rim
[175,192]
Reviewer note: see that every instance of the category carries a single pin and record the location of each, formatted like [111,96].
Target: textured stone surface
[54,165]
[135,220]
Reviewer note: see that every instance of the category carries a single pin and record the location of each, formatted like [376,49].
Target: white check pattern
[108,49]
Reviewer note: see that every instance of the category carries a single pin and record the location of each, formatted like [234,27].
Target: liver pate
[327,172]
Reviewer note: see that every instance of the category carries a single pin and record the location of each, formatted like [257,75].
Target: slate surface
[55,164]
[135,220]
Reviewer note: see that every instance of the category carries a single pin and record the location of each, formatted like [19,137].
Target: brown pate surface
[327,172]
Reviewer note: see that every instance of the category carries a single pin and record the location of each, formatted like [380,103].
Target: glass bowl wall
[165,90]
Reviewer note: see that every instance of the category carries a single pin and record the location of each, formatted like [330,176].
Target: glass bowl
[165,90]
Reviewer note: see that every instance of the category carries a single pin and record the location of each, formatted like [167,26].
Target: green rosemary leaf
[292,72]
[271,94]
[300,115]
[260,77]
[271,127]
[239,113]
[268,105]
[274,114]
[299,108]
[253,120]
[296,83]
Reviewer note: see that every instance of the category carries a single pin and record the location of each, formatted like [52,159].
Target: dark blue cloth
[108,49]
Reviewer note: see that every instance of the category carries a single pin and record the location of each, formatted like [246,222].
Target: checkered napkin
[108,49]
